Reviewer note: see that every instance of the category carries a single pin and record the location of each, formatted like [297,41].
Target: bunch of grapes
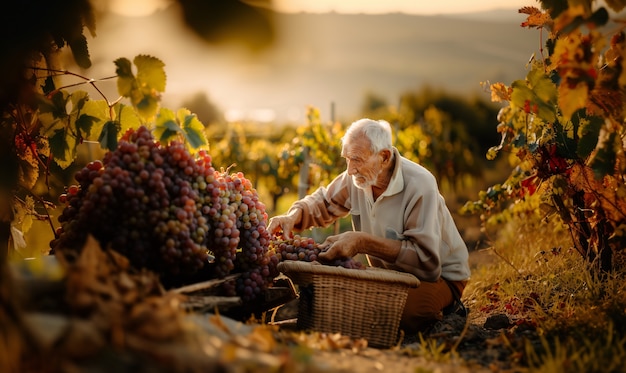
[253,261]
[168,211]
[223,237]
[140,201]
[305,249]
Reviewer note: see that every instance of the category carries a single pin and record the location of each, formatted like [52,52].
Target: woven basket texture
[354,302]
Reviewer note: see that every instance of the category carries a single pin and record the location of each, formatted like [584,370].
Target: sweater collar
[396,184]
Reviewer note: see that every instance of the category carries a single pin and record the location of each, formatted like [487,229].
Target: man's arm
[348,244]
[319,209]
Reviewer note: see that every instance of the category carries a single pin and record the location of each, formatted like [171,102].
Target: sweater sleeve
[325,205]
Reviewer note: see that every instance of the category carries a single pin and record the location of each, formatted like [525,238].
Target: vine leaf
[166,127]
[574,60]
[500,92]
[183,123]
[538,91]
[63,147]
[65,124]
[192,128]
[572,98]
[536,18]
[52,110]
[23,214]
[588,133]
[108,136]
[145,88]
[126,117]
[94,112]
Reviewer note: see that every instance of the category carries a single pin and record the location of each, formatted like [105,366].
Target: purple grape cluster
[306,249]
[253,260]
[140,200]
[169,211]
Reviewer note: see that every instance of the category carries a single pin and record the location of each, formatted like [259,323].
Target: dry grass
[565,318]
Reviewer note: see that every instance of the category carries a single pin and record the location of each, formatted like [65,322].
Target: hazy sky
[143,7]
[407,6]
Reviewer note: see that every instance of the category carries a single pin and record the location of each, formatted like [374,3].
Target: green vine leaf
[94,114]
[52,110]
[538,93]
[63,147]
[166,128]
[193,129]
[66,130]
[78,118]
[170,125]
[108,136]
[145,88]
[126,117]
[125,78]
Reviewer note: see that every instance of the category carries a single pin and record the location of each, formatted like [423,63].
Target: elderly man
[400,221]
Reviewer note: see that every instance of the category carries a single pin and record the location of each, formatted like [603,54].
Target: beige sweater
[411,210]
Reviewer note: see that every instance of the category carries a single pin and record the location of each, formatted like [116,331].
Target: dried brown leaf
[262,337]
[83,339]
[536,17]
[500,92]
[219,323]
[46,328]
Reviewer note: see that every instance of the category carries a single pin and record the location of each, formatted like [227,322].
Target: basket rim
[370,273]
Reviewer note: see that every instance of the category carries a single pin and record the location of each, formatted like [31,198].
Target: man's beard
[367,183]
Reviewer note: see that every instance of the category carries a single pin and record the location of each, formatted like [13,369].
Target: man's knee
[424,306]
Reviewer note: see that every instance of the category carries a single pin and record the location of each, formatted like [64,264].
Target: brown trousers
[425,304]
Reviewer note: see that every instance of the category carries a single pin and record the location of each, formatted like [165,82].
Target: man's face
[364,166]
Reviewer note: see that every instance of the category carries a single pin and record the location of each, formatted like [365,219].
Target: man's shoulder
[411,167]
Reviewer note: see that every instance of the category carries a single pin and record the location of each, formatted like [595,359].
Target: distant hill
[319,59]
[508,15]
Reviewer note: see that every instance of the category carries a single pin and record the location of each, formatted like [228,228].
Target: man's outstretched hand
[284,223]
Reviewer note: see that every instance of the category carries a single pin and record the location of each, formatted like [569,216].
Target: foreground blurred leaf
[230,21]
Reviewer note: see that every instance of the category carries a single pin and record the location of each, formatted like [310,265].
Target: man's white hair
[377,131]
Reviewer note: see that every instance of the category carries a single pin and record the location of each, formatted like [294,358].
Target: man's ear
[386,155]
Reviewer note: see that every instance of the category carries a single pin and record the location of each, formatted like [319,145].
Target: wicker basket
[354,302]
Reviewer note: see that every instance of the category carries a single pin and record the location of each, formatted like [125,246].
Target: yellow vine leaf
[151,72]
[500,92]
[145,88]
[572,99]
[565,51]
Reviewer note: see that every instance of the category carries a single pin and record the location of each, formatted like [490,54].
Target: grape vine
[564,125]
